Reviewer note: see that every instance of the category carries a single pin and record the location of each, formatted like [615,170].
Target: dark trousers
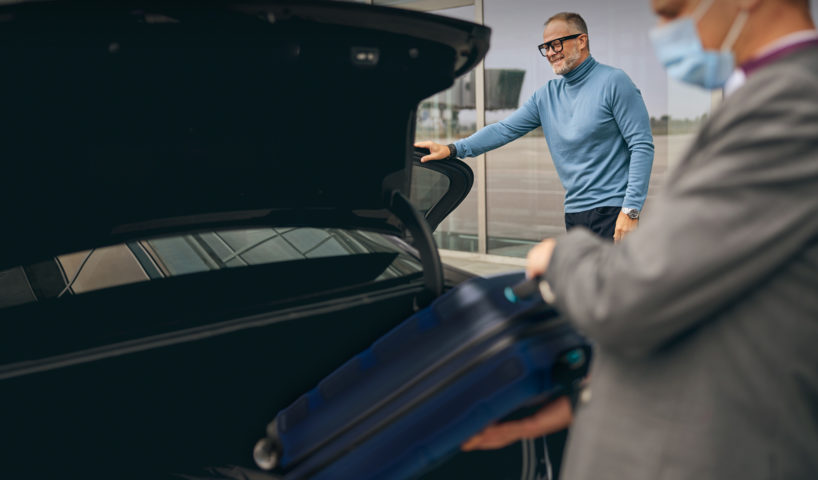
[555,442]
[600,220]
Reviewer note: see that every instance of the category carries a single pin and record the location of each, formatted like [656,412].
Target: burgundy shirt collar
[752,65]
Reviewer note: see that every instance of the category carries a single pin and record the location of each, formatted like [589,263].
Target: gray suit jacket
[705,320]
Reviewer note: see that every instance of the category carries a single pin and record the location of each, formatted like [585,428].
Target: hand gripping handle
[524,289]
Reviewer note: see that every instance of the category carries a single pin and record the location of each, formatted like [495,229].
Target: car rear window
[158,258]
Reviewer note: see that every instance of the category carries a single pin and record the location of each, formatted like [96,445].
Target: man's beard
[569,61]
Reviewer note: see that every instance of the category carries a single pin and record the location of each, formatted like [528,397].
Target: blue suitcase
[476,354]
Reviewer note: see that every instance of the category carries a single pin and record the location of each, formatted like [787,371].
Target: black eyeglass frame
[543,47]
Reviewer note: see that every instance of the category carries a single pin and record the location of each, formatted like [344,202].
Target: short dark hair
[574,20]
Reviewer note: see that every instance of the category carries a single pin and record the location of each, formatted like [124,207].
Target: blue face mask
[679,49]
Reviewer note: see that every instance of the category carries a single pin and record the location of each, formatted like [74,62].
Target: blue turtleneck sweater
[598,132]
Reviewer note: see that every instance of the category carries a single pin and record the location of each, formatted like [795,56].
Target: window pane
[156,258]
[178,255]
[428,187]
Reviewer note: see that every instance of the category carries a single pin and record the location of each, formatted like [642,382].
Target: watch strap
[632,213]
[452,151]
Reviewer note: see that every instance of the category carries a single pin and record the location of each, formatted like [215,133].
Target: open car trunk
[129,122]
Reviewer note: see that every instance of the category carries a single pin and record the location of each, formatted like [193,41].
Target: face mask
[679,49]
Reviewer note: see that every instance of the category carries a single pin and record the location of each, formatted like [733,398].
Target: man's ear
[583,39]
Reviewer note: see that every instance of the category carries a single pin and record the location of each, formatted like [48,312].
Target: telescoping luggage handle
[524,289]
[267,451]
[529,287]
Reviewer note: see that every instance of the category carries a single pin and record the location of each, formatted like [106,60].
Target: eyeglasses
[555,45]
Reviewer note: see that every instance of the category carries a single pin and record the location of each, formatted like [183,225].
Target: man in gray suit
[705,320]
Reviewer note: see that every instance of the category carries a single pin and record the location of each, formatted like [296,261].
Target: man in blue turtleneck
[596,126]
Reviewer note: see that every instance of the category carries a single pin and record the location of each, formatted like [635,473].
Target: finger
[532,271]
[494,443]
[433,156]
[482,444]
[532,264]
[471,443]
[478,440]
[423,144]
[536,259]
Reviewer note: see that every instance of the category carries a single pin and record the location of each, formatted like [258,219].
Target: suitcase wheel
[265,454]
[267,450]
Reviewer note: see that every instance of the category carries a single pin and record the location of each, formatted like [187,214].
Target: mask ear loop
[701,9]
[735,30]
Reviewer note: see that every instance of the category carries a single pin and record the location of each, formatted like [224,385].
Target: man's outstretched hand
[436,151]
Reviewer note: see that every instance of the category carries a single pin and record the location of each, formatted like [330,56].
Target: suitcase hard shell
[476,354]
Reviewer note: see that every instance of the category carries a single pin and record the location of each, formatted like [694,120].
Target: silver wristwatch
[632,213]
